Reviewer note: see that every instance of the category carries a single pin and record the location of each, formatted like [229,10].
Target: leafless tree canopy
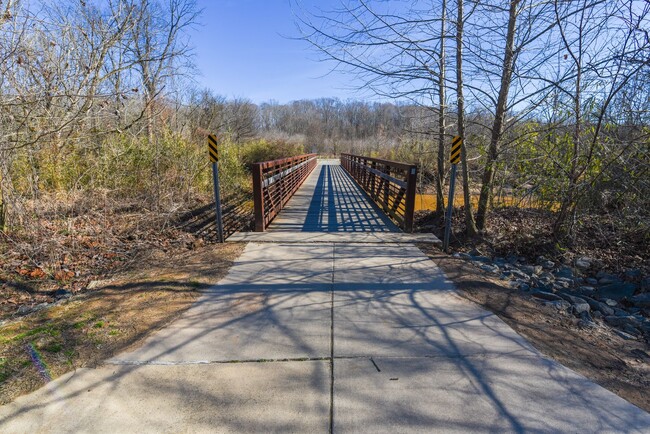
[566,70]
[74,72]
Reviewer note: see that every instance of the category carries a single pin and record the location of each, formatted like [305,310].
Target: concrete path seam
[331,425]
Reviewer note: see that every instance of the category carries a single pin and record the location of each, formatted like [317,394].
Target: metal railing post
[386,187]
[373,181]
[410,199]
[390,184]
[258,197]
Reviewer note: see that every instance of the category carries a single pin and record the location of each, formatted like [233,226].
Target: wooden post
[410,198]
[258,198]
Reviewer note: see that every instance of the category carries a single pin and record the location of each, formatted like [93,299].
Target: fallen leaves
[86,330]
[78,243]
[617,244]
[35,273]
[63,275]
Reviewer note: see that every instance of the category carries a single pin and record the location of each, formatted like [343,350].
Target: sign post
[214,159]
[454,159]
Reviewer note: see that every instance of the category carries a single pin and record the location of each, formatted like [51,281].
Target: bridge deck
[330,201]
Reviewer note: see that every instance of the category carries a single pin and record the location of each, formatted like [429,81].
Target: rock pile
[594,296]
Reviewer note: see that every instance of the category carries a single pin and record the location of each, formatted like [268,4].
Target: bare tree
[52,87]
[606,45]
[442,110]
[69,75]
[241,118]
[512,59]
[499,114]
[396,53]
[160,47]
[460,107]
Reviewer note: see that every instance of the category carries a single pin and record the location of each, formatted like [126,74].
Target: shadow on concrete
[408,354]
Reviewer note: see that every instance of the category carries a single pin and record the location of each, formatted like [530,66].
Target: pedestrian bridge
[331,205]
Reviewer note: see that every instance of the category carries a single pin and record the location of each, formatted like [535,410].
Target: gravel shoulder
[599,353]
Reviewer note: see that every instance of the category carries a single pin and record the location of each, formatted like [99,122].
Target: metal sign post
[454,159]
[214,159]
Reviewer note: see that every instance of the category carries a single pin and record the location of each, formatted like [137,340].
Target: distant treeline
[325,125]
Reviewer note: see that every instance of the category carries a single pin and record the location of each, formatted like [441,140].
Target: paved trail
[328,336]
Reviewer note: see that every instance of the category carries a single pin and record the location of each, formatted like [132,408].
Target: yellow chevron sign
[456,144]
[212,148]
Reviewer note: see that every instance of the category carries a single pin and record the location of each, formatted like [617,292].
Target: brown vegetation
[103,158]
[616,244]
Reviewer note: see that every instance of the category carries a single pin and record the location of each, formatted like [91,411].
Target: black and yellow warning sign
[456,144]
[212,148]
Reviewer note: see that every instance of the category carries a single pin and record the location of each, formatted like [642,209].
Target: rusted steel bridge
[353,194]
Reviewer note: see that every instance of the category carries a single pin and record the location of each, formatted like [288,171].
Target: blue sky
[243,49]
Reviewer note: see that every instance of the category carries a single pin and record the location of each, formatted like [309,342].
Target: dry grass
[427,202]
[92,327]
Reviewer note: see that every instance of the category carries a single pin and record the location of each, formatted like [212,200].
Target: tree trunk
[469,215]
[562,226]
[500,114]
[5,188]
[3,207]
[440,197]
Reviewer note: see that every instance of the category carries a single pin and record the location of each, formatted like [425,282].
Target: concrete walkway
[304,338]
[328,337]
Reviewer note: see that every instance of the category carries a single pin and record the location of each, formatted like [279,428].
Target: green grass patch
[54,347]
[5,372]
[48,330]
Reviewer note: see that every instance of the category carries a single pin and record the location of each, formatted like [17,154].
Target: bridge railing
[274,182]
[389,183]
